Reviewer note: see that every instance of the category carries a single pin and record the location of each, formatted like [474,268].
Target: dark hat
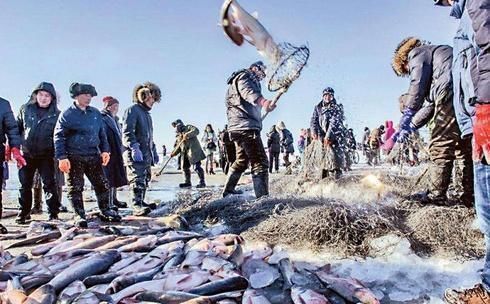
[437,2]
[82,88]
[141,91]
[176,122]
[109,101]
[45,86]
[328,90]
[258,64]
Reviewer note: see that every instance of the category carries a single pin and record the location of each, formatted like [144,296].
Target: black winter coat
[287,141]
[138,129]
[80,133]
[37,133]
[8,127]
[274,142]
[115,170]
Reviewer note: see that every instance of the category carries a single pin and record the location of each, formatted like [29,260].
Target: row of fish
[157,264]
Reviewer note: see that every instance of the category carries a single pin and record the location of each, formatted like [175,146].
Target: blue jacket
[465,69]
[80,133]
[327,121]
[480,15]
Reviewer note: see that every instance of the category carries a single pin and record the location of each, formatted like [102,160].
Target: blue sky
[179,45]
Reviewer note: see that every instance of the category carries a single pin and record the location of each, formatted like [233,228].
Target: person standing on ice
[244,103]
[327,126]
[209,145]
[287,142]
[191,154]
[36,121]
[82,149]
[114,171]
[471,101]
[140,152]
[429,100]
[274,148]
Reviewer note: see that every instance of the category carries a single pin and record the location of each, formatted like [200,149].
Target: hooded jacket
[80,133]
[242,108]
[430,74]
[8,127]
[37,132]
[191,148]
[274,141]
[389,130]
[327,121]
[465,69]
[138,129]
[287,141]
[480,16]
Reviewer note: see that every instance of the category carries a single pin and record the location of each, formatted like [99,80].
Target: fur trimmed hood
[141,91]
[400,58]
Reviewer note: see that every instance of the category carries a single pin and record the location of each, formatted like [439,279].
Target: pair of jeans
[47,171]
[482,205]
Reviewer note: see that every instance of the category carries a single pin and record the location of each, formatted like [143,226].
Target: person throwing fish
[244,102]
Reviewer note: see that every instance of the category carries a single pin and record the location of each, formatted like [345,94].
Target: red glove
[106,157]
[21,162]
[8,153]
[481,133]
[64,165]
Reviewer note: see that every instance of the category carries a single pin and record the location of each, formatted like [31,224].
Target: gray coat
[138,129]
[430,79]
[244,92]
[287,141]
[480,16]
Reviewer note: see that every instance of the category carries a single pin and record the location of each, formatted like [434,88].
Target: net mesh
[290,60]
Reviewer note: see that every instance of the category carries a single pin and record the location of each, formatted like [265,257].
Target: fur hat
[142,91]
[400,58]
[82,88]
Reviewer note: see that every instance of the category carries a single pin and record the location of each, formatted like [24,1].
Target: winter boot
[187,180]
[139,207]
[476,295]
[38,201]
[106,213]
[202,182]
[115,201]
[261,185]
[231,183]
[53,217]
[80,218]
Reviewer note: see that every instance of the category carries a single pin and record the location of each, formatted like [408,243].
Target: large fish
[119,242]
[80,270]
[35,240]
[124,281]
[178,297]
[43,295]
[307,296]
[350,289]
[126,261]
[143,244]
[92,243]
[154,285]
[71,292]
[104,278]
[221,286]
[44,248]
[239,25]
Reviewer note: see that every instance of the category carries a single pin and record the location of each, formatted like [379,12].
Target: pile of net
[445,230]
[331,225]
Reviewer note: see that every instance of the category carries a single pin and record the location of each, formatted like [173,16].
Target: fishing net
[313,163]
[286,67]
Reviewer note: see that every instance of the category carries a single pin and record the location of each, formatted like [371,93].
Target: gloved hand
[64,165]
[136,153]
[481,133]
[21,162]
[185,136]
[267,105]
[327,142]
[402,136]
[106,157]
[406,120]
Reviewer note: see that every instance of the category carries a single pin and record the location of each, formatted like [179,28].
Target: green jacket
[191,148]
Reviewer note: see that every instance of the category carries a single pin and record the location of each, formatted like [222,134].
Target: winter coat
[206,140]
[287,141]
[242,108]
[8,128]
[479,15]
[301,144]
[389,130]
[464,69]
[274,142]
[138,129]
[191,148]
[375,139]
[115,170]
[37,133]
[430,76]
[327,122]
[80,133]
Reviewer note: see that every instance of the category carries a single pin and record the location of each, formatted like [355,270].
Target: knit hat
[82,88]
[328,90]
[109,101]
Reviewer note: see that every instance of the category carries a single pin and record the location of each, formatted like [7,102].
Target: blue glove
[406,120]
[402,136]
[136,153]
